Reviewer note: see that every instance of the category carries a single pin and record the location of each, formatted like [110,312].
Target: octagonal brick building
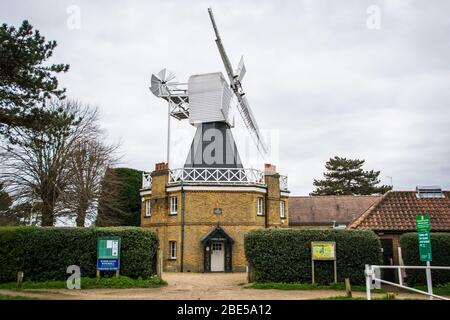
[202,214]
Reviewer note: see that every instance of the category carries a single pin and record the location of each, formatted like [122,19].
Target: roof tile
[397,211]
[323,210]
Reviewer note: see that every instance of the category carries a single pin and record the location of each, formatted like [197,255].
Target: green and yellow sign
[423,230]
[323,250]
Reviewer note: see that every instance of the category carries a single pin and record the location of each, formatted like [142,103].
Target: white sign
[115,248]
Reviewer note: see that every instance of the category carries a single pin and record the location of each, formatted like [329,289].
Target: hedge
[440,249]
[284,255]
[45,253]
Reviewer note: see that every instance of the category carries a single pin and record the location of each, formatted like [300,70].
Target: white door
[217,257]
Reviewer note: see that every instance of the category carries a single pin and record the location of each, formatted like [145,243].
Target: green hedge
[284,255]
[440,248]
[45,253]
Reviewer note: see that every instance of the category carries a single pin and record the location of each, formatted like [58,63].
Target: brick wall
[239,215]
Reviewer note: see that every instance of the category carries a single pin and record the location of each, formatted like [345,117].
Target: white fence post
[371,275]
[368,282]
[429,282]
[401,272]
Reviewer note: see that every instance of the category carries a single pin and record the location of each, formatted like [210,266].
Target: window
[148,208]
[173,250]
[282,210]
[173,205]
[260,206]
[424,192]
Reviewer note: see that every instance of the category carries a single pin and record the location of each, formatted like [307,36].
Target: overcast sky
[358,79]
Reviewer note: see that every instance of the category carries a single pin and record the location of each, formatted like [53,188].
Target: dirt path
[215,286]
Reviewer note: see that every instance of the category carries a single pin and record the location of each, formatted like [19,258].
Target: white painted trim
[284,194]
[146,193]
[171,205]
[217,188]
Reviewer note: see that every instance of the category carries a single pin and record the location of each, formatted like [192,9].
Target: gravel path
[215,286]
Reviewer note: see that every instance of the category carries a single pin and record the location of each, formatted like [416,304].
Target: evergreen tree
[347,177]
[26,83]
[120,201]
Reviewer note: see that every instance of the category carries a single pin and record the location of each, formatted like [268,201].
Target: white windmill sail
[235,83]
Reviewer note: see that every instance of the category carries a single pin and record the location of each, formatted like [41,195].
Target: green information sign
[108,248]
[423,230]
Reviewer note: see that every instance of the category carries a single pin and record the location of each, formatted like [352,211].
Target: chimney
[161,166]
[270,169]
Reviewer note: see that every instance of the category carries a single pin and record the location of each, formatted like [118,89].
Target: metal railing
[283,183]
[146,180]
[231,176]
[371,272]
[234,176]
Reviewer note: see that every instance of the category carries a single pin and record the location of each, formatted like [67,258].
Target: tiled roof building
[397,211]
[323,211]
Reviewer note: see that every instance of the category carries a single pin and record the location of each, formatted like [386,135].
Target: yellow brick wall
[239,215]
[273,202]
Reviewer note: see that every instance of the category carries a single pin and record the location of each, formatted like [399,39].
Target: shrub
[284,255]
[440,249]
[45,253]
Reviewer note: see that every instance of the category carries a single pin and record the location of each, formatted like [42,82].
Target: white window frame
[173,205]
[260,206]
[282,209]
[172,250]
[148,208]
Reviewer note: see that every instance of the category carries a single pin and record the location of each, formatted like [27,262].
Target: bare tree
[35,169]
[90,158]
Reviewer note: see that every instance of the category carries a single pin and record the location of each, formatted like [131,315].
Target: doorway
[217,257]
[388,259]
[217,251]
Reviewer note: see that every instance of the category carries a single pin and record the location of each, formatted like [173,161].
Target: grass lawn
[10,297]
[383,297]
[307,286]
[440,289]
[341,298]
[120,282]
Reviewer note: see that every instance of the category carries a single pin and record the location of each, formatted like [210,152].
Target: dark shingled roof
[397,211]
[323,210]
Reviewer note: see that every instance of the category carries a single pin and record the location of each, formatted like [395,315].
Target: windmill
[235,83]
[205,101]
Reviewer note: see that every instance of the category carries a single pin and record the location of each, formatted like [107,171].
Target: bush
[45,253]
[440,249]
[284,255]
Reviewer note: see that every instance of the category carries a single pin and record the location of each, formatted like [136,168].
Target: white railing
[283,183]
[239,176]
[232,176]
[146,180]
[373,279]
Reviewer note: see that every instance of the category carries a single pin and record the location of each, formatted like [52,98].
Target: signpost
[323,250]
[423,230]
[423,234]
[108,254]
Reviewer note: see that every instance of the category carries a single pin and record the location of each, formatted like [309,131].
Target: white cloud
[315,74]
